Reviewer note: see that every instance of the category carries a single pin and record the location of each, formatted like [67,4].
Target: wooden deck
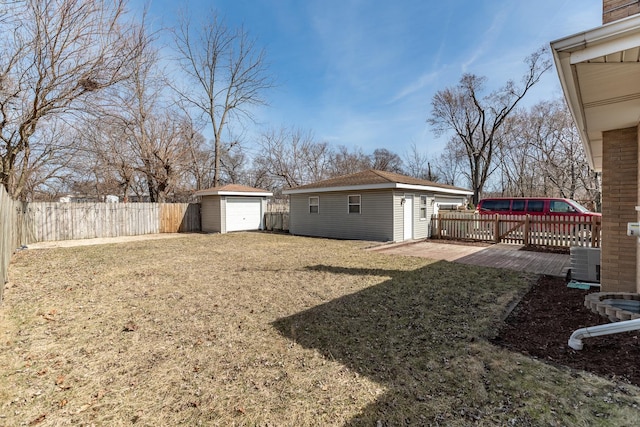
[498,256]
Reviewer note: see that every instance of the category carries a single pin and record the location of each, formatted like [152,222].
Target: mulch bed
[546,249]
[541,324]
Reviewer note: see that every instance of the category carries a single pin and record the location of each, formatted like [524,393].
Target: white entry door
[243,213]
[408,217]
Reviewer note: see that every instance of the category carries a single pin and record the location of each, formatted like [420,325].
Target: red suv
[533,206]
[579,218]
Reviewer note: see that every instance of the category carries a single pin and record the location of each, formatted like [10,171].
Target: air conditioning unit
[585,264]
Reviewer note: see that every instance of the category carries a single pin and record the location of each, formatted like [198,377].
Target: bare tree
[227,72]
[51,162]
[233,162]
[418,165]
[55,56]
[157,139]
[550,130]
[344,161]
[540,153]
[107,161]
[162,155]
[201,164]
[516,159]
[559,152]
[475,120]
[293,157]
[385,160]
[450,166]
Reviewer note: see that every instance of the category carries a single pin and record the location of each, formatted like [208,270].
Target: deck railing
[529,230]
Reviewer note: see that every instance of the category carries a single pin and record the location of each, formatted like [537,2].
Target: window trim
[359,204]
[316,205]
[423,206]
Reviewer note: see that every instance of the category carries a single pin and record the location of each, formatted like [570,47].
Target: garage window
[354,204]
[423,207]
[314,205]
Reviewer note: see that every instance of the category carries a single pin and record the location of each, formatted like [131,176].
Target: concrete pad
[432,250]
[102,240]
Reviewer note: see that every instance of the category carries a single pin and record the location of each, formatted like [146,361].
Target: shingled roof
[233,190]
[373,179]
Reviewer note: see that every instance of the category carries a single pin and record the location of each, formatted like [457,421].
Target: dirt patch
[543,321]
[546,249]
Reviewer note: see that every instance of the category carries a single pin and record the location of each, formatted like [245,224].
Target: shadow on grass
[413,334]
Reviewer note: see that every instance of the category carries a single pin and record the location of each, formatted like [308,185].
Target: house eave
[599,71]
[390,185]
[232,193]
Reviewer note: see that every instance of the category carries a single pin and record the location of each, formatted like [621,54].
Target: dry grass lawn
[274,330]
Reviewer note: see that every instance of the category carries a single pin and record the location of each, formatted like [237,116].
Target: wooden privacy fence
[528,230]
[12,232]
[70,221]
[276,221]
[179,217]
[24,223]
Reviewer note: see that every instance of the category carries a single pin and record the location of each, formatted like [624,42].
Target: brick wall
[619,199]
[612,10]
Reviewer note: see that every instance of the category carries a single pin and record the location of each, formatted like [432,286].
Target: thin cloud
[488,40]
[416,86]
[362,72]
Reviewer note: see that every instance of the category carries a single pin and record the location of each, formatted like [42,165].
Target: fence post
[496,229]
[526,231]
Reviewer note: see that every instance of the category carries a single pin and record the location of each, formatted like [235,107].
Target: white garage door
[243,213]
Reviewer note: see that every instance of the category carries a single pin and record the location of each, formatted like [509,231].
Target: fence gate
[511,230]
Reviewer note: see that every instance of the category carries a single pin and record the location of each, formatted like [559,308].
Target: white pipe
[575,341]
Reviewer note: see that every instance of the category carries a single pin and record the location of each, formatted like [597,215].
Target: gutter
[575,341]
[606,33]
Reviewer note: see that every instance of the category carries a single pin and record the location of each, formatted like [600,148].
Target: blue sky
[362,73]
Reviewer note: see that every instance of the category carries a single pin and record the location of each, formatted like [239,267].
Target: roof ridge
[240,188]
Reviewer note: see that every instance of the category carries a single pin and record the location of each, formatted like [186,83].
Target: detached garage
[232,207]
[370,205]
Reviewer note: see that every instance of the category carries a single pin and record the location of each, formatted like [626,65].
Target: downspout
[575,341]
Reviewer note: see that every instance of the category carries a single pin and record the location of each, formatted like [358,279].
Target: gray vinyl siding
[382,217]
[210,214]
[420,227]
[430,211]
[375,221]
[223,214]
[398,216]
[263,209]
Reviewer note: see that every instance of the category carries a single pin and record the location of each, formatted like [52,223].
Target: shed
[369,205]
[232,207]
